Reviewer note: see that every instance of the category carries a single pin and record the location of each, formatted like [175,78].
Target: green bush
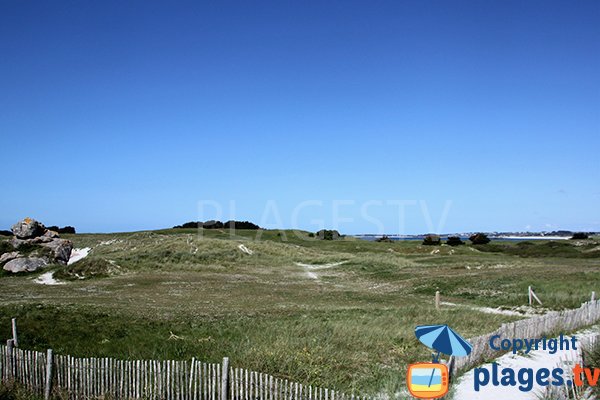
[580,236]
[432,240]
[479,238]
[454,241]
[5,247]
[327,234]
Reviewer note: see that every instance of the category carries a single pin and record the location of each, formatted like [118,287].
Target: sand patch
[78,254]
[309,269]
[47,279]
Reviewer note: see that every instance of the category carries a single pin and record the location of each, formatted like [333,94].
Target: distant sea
[464,238]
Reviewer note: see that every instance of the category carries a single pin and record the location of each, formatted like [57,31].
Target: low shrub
[454,241]
[432,240]
[479,238]
[5,247]
[327,234]
[580,236]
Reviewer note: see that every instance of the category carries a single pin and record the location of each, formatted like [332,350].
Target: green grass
[592,360]
[350,329]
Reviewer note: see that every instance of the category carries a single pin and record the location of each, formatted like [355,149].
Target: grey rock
[28,228]
[61,248]
[24,265]
[17,242]
[36,240]
[9,256]
[51,234]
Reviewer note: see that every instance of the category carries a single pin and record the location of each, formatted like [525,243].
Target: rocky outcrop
[51,234]
[35,248]
[28,228]
[24,265]
[9,256]
[61,248]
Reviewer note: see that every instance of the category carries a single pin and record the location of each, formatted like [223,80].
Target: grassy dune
[334,313]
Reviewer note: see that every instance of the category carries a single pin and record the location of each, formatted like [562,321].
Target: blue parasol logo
[444,340]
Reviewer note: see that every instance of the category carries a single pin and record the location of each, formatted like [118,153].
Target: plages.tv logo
[430,380]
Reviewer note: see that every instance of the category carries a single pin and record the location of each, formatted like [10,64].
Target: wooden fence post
[14,332]
[593,296]
[437,299]
[9,358]
[225,378]
[532,294]
[529,294]
[49,363]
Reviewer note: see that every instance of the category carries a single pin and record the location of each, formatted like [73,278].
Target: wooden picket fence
[87,378]
[24,366]
[535,327]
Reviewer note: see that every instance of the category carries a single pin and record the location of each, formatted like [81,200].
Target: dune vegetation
[336,313]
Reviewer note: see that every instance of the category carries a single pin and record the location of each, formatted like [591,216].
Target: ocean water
[464,239]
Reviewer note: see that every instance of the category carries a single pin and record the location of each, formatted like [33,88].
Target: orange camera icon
[427,380]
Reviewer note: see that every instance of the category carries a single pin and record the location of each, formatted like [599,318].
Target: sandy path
[310,268]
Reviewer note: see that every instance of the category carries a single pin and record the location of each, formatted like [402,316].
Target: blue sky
[125,115]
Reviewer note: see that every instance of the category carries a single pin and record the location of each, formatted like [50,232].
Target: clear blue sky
[123,115]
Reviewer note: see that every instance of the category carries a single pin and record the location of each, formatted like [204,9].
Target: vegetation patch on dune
[545,249]
[87,268]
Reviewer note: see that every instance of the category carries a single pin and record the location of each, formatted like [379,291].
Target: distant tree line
[435,240]
[218,225]
[65,229]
